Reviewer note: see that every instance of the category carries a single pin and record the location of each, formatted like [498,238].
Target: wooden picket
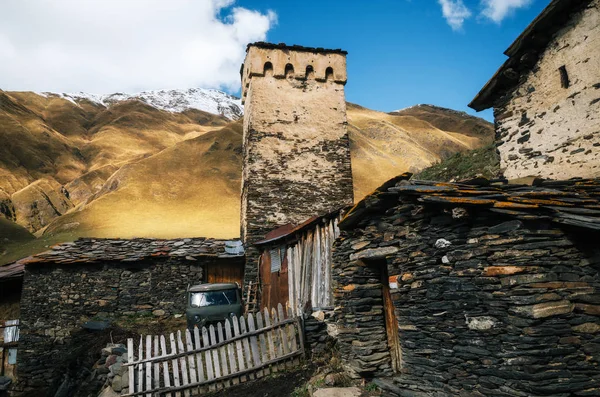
[216,357]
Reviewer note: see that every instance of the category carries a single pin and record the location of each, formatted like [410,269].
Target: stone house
[472,288]
[546,96]
[75,284]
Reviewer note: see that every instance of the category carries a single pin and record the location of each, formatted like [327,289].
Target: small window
[289,70]
[268,70]
[564,77]
[329,73]
[277,255]
[310,72]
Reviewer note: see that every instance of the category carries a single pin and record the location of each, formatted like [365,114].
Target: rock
[108,392]
[374,253]
[159,313]
[117,368]
[587,328]
[360,245]
[119,350]
[442,243]
[502,270]
[459,212]
[482,323]
[548,309]
[117,383]
[505,227]
[319,315]
[110,360]
[338,392]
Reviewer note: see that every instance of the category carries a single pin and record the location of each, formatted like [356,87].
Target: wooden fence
[216,357]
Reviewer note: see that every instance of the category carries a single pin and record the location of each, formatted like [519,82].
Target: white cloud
[497,10]
[455,13]
[106,46]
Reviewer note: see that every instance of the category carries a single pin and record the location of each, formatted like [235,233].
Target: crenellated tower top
[292,62]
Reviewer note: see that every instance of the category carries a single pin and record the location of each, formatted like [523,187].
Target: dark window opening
[329,73]
[564,77]
[289,70]
[310,72]
[268,70]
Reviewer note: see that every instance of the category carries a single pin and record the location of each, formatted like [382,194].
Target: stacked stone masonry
[296,147]
[95,279]
[487,303]
[549,124]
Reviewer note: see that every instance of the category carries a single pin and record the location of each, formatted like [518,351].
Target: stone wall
[546,129]
[58,299]
[296,147]
[486,305]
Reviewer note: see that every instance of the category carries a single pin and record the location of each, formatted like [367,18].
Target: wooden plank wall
[225,272]
[309,267]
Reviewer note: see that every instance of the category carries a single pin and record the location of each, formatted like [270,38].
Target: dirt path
[278,385]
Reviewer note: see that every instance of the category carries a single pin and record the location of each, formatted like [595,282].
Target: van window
[213,298]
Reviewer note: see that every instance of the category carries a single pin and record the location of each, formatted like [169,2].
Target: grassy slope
[191,189]
[174,177]
[385,145]
[479,162]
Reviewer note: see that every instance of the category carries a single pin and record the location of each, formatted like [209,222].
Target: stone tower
[296,148]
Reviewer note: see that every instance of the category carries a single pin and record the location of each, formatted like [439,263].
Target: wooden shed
[295,264]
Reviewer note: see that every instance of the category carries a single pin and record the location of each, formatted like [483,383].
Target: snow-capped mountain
[208,100]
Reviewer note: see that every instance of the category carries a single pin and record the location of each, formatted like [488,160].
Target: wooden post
[238,347]
[166,377]
[208,359]
[215,355]
[184,373]
[175,364]
[148,364]
[200,362]
[156,366]
[246,343]
[191,362]
[130,359]
[270,337]
[222,355]
[263,344]
[230,351]
[254,346]
[141,366]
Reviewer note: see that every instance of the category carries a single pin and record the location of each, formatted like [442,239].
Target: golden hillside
[131,170]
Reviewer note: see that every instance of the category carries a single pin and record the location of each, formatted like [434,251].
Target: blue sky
[402,53]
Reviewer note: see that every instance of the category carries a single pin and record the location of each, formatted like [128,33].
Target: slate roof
[523,53]
[95,250]
[11,271]
[574,202]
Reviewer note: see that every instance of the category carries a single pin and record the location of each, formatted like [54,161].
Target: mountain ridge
[129,169]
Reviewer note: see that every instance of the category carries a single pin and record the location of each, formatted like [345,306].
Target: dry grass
[135,171]
[385,145]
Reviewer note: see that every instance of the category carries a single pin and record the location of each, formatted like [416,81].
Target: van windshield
[213,298]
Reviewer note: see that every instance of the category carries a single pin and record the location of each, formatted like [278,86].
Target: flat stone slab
[338,392]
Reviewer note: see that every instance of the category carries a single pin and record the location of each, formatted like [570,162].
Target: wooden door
[225,272]
[391,323]
[273,284]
